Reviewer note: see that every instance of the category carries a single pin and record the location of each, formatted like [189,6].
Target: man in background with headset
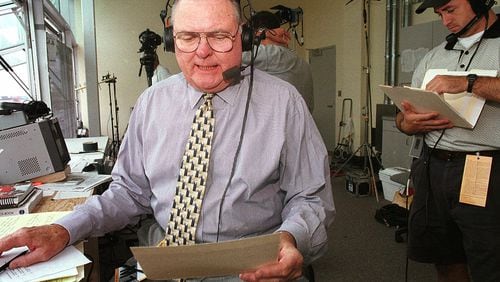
[457,237]
[275,179]
[274,56]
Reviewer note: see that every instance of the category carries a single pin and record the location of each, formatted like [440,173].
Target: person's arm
[309,207]
[486,87]
[128,195]
[410,122]
[43,242]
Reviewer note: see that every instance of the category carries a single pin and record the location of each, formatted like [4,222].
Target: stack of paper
[69,263]
[63,265]
[77,185]
[463,109]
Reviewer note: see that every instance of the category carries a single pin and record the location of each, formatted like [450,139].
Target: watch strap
[471,78]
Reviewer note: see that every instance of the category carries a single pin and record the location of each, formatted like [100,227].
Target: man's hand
[411,122]
[43,243]
[288,267]
[447,84]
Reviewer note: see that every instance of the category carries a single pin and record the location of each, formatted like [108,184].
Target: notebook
[11,196]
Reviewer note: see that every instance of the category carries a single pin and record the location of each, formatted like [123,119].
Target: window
[15,81]
[47,66]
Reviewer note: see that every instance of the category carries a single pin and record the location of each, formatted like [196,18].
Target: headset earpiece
[481,7]
[247,38]
[168,39]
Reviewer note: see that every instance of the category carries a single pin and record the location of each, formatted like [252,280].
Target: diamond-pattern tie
[181,228]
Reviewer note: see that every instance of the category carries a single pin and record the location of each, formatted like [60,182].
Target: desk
[75,145]
[91,246]
[79,158]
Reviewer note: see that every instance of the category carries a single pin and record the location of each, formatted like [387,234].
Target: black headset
[480,8]
[247,35]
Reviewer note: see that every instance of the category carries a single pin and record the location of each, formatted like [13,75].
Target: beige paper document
[207,260]
[463,109]
[426,101]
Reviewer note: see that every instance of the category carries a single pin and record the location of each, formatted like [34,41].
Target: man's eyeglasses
[188,42]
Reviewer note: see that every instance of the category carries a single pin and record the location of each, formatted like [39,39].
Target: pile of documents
[68,264]
[77,185]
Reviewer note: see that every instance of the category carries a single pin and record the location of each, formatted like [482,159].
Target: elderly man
[253,164]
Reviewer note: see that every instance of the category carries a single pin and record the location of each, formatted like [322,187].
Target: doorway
[323,66]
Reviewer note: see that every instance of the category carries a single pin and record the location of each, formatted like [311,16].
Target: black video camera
[150,41]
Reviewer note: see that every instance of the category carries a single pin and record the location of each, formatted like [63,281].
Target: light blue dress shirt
[281,179]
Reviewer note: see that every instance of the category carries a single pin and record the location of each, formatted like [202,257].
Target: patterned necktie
[181,228]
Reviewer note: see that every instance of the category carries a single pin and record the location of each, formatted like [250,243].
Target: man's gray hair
[236,8]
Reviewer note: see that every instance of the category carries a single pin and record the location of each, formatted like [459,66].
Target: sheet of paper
[68,259]
[68,273]
[467,104]
[61,195]
[207,260]
[9,224]
[9,255]
[425,101]
[77,182]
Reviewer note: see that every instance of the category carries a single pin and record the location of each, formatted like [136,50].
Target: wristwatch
[471,78]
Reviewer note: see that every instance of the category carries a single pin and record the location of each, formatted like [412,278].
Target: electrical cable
[242,133]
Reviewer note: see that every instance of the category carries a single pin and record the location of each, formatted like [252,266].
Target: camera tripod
[115,134]
[368,154]
[366,148]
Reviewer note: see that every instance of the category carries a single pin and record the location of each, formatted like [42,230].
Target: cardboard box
[391,187]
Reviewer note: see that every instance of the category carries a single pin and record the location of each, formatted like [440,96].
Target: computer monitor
[32,150]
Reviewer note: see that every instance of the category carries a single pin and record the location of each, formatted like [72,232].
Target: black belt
[457,155]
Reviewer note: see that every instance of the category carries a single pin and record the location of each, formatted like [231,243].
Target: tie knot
[208,96]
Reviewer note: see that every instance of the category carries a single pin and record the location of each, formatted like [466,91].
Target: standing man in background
[274,56]
[160,72]
[462,240]
[263,169]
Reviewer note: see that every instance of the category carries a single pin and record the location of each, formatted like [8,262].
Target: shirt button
[462,66]
[466,52]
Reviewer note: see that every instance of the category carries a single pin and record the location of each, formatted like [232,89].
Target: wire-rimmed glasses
[188,41]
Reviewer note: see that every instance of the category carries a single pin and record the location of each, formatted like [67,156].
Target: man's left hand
[288,267]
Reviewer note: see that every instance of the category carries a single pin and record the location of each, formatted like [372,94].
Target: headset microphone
[232,75]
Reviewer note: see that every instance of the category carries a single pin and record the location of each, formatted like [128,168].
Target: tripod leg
[372,174]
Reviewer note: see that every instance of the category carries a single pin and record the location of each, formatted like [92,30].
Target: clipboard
[427,101]
[207,260]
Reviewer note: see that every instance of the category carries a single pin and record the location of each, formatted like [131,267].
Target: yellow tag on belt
[475,180]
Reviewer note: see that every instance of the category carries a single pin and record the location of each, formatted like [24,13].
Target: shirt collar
[227,95]
[494,30]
